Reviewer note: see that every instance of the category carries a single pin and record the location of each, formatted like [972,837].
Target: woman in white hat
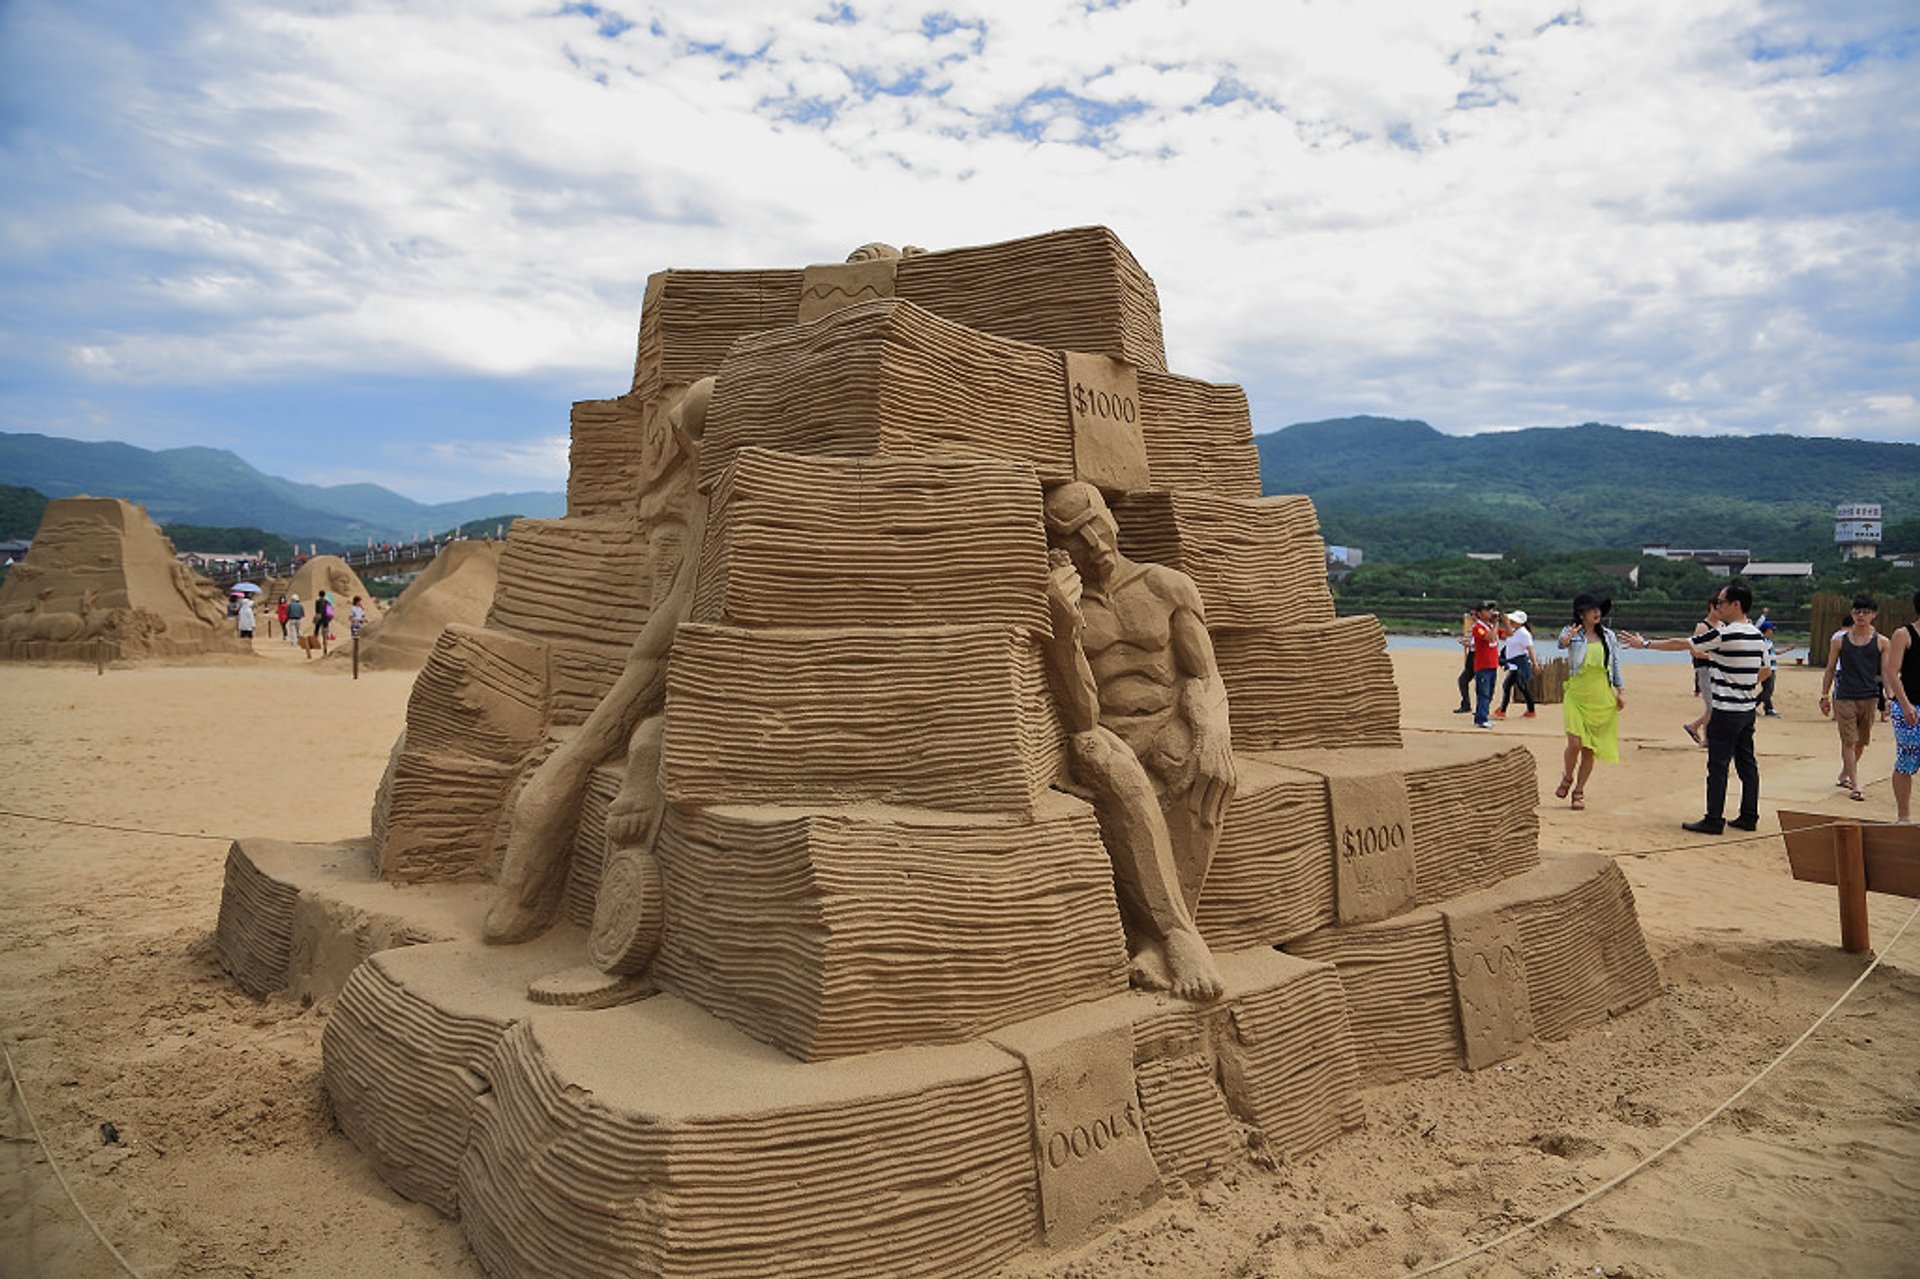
[1517,655]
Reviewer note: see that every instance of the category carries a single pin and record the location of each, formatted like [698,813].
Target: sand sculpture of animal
[63,626]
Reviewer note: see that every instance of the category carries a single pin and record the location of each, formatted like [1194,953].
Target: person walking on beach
[1703,675]
[1465,681]
[356,617]
[280,616]
[1518,652]
[1736,651]
[1773,669]
[1900,672]
[295,612]
[1855,657]
[243,619]
[1595,695]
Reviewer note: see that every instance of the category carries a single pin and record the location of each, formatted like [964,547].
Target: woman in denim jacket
[1594,697]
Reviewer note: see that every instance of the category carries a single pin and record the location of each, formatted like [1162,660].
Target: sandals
[1566,784]
[1578,801]
[1694,733]
[1857,794]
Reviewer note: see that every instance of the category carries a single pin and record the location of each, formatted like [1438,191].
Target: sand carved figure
[970,921]
[527,895]
[1133,671]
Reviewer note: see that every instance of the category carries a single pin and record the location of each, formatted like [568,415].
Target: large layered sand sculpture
[917,806]
[101,581]
[336,577]
[455,590]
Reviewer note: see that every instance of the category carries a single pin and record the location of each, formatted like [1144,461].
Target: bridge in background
[380,561]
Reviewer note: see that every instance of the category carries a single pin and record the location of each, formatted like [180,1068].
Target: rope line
[1709,1117]
[130,830]
[20,1091]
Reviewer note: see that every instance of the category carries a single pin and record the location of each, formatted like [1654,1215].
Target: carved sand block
[478,708]
[1076,290]
[1581,959]
[1259,562]
[608,439]
[829,932]
[457,588]
[887,378]
[856,542]
[1470,807]
[1307,686]
[580,586]
[790,716]
[300,917]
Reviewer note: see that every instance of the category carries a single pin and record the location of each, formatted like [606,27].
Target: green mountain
[1401,490]
[214,487]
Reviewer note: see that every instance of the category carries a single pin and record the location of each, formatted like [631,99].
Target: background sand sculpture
[101,581]
[457,588]
[229,1158]
[890,961]
[336,577]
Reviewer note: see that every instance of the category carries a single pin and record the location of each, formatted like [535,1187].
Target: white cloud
[1681,215]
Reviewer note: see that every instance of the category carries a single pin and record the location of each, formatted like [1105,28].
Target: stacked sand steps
[301,917]
[1570,955]
[678,1148]
[651,1138]
[887,378]
[859,542]
[478,708]
[1078,290]
[834,932]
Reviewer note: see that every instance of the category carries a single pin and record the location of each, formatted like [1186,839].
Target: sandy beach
[227,1162]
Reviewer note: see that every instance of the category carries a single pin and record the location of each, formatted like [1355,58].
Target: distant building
[1341,561]
[13,550]
[1903,559]
[1856,530]
[1759,568]
[1488,556]
[1626,572]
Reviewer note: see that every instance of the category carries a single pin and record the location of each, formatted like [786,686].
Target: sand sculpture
[101,581]
[336,577]
[917,806]
[456,589]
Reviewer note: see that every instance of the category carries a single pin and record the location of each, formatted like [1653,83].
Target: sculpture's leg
[533,873]
[1168,948]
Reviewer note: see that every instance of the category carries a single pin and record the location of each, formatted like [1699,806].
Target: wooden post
[99,657]
[356,657]
[1850,874]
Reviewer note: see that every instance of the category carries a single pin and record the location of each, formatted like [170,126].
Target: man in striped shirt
[1736,654]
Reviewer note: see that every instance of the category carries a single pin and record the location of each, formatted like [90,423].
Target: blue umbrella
[243,588]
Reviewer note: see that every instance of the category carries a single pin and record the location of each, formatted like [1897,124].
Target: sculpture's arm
[1203,702]
[1068,673]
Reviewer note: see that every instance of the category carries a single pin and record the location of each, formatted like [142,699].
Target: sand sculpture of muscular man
[1133,671]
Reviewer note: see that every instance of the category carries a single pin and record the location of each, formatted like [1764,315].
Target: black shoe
[1744,823]
[1461,710]
[1705,827]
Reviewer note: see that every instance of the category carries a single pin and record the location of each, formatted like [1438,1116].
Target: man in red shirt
[1485,638]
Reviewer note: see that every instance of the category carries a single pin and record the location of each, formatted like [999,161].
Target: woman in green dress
[1593,697]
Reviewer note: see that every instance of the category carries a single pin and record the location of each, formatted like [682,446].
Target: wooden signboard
[1856,857]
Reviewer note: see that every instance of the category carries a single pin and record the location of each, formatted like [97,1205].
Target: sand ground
[227,1163]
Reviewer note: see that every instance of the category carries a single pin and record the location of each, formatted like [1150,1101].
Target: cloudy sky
[393,241]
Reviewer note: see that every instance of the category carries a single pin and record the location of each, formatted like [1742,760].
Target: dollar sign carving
[1079,399]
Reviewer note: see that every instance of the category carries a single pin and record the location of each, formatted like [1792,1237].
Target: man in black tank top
[1900,672]
[1854,659]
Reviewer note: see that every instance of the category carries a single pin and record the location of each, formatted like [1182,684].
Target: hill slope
[1402,490]
[216,487]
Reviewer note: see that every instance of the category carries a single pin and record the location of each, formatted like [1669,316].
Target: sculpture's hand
[1064,590]
[1214,779]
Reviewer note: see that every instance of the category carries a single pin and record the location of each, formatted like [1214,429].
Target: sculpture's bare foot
[1190,964]
[510,922]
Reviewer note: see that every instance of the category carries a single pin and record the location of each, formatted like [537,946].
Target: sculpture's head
[1079,523]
